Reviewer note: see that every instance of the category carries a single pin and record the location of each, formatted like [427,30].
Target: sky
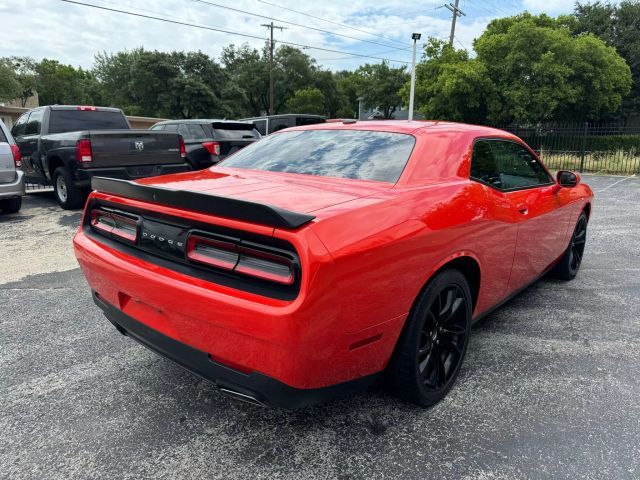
[73,33]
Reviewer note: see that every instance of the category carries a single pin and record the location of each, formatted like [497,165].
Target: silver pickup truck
[11,177]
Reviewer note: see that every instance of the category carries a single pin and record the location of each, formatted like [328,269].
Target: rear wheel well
[471,271]
[587,210]
[53,163]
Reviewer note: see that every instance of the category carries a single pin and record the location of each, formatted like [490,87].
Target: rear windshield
[357,154]
[62,121]
[234,131]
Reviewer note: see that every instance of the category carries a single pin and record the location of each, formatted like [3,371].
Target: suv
[209,141]
[67,145]
[11,178]
[273,123]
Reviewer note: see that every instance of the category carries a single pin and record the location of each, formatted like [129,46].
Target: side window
[157,127]
[506,166]
[171,127]
[483,165]
[518,168]
[195,131]
[18,127]
[261,126]
[184,131]
[33,125]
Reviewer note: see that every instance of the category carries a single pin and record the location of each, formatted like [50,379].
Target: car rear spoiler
[203,202]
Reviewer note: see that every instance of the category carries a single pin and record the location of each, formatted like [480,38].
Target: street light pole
[415,37]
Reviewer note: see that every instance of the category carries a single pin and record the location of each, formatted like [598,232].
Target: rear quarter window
[356,154]
[235,131]
[3,137]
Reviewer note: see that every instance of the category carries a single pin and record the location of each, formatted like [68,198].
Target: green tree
[9,85]
[248,72]
[25,71]
[63,84]
[379,86]
[166,84]
[541,72]
[294,70]
[618,25]
[115,74]
[450,85]
[307,100]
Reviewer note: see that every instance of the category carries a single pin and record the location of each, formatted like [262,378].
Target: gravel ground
[550,387]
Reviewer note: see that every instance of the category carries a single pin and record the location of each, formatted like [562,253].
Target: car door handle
[522,208]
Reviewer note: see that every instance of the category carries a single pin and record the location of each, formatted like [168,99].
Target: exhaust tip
[241,397]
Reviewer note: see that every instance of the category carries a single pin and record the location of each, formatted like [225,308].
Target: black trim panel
[202,202]
[265,390]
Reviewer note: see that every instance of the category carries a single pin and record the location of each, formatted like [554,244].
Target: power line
[298,24]
[231,32]
[330,21]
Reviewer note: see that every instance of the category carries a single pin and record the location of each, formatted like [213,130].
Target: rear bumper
[252,387]
[15,188]
[83,176]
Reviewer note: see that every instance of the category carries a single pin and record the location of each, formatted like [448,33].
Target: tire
[67,194]
[11,205]
[568,266]
[434,341]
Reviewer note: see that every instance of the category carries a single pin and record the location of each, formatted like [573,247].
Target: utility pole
[455,13]
[271,26]
[415,37]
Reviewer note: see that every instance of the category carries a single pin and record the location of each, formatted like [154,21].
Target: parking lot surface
[550,387]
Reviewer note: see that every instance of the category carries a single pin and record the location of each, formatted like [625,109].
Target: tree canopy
[527,69]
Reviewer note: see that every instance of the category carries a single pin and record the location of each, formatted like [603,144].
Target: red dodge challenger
[310,263]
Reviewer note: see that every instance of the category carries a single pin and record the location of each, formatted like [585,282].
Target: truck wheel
[11,205]
[68,195]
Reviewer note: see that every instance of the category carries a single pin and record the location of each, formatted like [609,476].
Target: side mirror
[566,178]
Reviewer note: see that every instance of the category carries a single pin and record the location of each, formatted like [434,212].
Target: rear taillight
[17,158]
[83,151]
[183,149]
[262,263]
[212,147]
[115,225]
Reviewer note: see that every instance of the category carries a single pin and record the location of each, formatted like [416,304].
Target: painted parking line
[615,183]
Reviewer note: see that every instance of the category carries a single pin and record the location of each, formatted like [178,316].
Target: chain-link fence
[586,147]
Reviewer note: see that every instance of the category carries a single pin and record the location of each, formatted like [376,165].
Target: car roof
[285,115]
[404,126]
[75,107]
[200,120]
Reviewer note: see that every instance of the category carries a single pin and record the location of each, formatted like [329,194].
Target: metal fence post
[583,146]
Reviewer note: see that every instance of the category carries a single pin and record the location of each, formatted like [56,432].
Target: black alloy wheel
[569,264]
[434,341]
[578,242]
[443,338]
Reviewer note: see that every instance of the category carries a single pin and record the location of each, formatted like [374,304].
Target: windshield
[62,121]
[358,154]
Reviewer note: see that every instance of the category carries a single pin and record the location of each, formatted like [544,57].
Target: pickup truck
[66,146]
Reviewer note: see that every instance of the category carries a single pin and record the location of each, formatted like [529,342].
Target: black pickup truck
[65,146]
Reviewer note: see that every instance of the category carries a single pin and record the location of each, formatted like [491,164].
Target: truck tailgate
[115,148]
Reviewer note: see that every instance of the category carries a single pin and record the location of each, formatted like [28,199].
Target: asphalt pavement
[550,387]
